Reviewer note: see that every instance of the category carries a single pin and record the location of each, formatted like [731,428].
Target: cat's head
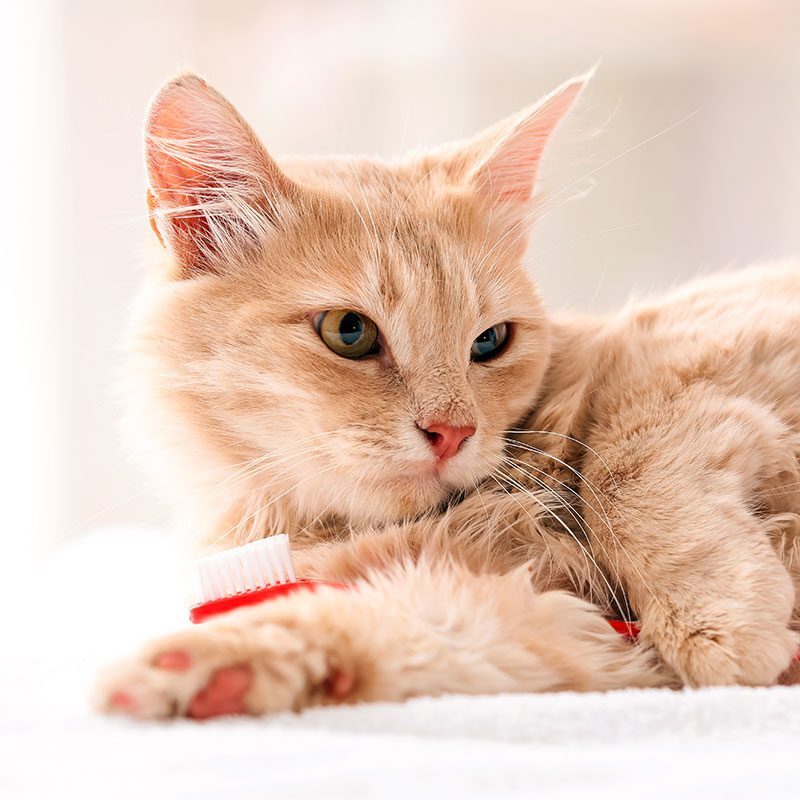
[350,335]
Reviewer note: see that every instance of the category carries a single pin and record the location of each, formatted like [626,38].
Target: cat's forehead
[396,242]
[357,175]
[386,258]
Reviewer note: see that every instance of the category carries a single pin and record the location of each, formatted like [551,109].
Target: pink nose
[445,439]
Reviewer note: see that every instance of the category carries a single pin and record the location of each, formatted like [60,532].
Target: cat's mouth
[435,480]
[421,473]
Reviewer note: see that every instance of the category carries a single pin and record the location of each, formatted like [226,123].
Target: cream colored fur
[643,464]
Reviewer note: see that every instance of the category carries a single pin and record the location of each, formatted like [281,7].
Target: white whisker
[261,509]
[587,554]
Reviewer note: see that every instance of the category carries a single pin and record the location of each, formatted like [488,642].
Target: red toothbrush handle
[204,611]
[630,630]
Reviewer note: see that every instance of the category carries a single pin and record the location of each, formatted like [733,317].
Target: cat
[352,352]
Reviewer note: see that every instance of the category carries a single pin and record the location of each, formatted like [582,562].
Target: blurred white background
[682,157]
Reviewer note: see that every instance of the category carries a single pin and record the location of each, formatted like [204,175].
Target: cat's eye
[490,343]
[348,333]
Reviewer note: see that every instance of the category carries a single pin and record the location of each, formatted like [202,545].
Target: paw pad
[173,660]
[224,693]
[340,684]
[123,701]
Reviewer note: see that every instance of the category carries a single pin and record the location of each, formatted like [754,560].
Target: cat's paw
[711,655]
[222,669]
[730,628]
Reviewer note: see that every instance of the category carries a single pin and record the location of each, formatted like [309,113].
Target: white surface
[736,743]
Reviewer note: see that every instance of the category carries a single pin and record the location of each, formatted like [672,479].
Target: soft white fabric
[108,591]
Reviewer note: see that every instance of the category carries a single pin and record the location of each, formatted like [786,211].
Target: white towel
[716,743]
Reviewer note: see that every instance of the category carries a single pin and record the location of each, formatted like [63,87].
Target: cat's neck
[550,439]
[577,344]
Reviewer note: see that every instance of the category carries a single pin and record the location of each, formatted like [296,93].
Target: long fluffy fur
[646,464]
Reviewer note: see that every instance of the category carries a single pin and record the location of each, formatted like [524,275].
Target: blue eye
[490,343]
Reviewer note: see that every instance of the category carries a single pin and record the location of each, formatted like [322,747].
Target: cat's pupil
[489,343]
[351,328]
[486,343]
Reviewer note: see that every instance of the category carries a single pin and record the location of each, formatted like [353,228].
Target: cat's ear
[214,192]
[506,157]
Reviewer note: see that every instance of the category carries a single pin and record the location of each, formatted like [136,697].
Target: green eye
[490,343]
[348,333]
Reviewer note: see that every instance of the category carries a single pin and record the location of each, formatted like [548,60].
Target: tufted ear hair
[213,190]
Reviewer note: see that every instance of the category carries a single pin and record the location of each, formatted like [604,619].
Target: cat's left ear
[214,192]
[505,158]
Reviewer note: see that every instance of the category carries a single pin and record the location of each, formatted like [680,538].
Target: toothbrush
[246,575]
[263,570]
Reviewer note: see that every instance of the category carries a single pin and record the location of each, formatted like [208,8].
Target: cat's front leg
[414,630]
[670,493]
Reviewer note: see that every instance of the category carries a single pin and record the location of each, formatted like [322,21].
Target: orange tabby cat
[352,352]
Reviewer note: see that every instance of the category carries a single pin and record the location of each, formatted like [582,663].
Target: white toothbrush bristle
[242,569]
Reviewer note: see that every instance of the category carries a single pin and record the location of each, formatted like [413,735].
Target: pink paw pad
[174,661]
[123,701]
[224,693]
[340,683]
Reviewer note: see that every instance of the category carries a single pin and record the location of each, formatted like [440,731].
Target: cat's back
[724,305]
[738,331]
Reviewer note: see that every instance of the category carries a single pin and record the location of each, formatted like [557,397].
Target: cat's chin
[407,495]
[393,512]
